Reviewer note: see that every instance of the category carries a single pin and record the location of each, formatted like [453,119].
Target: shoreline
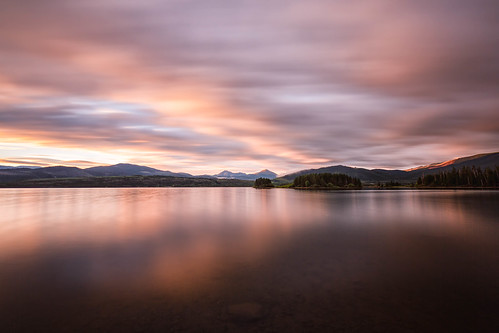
[365,188]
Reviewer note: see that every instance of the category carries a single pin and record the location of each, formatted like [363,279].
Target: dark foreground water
[240,259]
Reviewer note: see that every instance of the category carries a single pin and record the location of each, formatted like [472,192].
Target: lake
[241,259]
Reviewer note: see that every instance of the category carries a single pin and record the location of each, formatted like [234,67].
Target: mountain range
[244,176]
[11,174]
[405,176]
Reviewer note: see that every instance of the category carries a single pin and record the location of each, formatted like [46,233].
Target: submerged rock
[246,312]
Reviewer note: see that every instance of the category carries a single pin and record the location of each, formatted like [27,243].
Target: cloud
[281,84]
[23,162]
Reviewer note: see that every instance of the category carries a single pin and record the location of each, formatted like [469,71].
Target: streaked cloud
[200,86]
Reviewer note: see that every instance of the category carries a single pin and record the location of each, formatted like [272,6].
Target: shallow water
[240,259]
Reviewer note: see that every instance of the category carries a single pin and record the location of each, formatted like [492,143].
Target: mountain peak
[267,173]
[458,160]
[245,176]
[124,164]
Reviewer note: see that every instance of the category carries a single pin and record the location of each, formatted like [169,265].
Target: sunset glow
[200,87]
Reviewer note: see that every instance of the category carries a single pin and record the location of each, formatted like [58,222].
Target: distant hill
[266,174]
[411,175]
[8,175]
[11,175]
[244,176]
[118,170]
[481,160]
[124,169]
[364,175]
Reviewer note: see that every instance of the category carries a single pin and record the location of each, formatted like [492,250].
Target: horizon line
[26,164]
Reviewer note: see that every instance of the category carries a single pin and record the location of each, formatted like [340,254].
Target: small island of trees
[263,183]
[327,181]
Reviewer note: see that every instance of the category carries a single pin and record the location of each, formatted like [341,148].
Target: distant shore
[171,181]
[127,181]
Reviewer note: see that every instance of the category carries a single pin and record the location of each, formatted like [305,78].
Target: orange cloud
[235,86]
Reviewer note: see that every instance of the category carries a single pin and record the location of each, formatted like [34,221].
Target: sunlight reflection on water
[186,241]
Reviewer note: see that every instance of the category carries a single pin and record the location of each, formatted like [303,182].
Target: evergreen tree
[324,180]
[263,182]
[463,177]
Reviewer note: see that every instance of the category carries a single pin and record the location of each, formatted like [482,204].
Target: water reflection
[288,251]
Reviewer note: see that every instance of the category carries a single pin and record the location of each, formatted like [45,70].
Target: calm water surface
[240,259]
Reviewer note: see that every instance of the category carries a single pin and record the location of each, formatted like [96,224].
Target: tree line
[465,176]
[327,180]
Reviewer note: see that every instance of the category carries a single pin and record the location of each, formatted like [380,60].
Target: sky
[203,86]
